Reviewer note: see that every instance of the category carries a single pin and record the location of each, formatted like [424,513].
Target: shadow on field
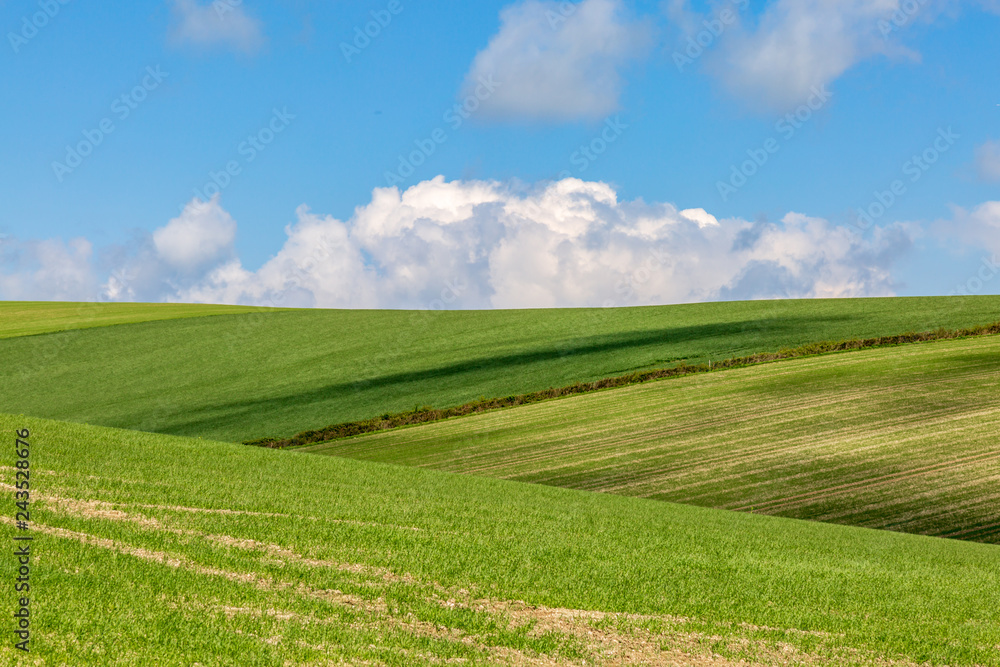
[665,348]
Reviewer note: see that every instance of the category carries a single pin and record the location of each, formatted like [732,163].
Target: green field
[153,549]
[28,318]
[275,373]
[156,549]
[902,438]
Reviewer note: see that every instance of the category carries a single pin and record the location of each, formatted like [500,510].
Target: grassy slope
[26,318]
[274,374]
[899,438]
[294,557]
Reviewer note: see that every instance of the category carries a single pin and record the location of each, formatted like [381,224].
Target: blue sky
[516,220]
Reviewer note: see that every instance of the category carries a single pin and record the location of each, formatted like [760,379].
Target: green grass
[241,377]
[28,318]
[152,549]
[428,414]
[901,438]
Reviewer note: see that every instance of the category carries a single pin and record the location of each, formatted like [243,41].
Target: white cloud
[319,265]
[979,227]
[202,234]
[988,161]
[775,58]
[809,257]
[557,61]
[800,44]
[569,243]
[700,216]
[49,270]
[479,244]
[219,23]
[173,258]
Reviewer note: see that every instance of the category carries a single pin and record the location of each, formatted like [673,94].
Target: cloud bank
[479,244]
[568,243]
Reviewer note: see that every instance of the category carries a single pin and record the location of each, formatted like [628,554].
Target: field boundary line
[428,414]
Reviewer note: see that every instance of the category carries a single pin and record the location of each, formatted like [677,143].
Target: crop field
[261,374]
[905,439]
[154,549]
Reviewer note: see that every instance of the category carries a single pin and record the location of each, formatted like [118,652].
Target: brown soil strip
[93,509]
[614,639]
[179,561]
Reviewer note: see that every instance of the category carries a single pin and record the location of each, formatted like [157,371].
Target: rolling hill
[901,438]
[30,318]
[274,373]
[201,552]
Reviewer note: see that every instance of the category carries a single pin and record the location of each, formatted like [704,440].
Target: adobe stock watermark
[45,351]
[301,269]
[454,117]
[626,288]
[989,267]
[121,109]
[587,154]
[590,152]
[365,35]
[908,9]
[712,29]
[32,24]
[223,7]
[418,323]
[786,127]
[626,291]
[914,169]
[248,150]
[562,13]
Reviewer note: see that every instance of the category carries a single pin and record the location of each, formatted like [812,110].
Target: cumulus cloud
[319,265]
[201,234]
[557,61]
[478,244]
[809,257]
[988,161]
[568,243]
[173,257]
[222,23]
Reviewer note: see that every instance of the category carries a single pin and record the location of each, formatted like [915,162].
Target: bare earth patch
[610,639]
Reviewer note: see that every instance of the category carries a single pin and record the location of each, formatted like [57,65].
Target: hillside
[202,552]
[30,318]
[901,438]
[275,373]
